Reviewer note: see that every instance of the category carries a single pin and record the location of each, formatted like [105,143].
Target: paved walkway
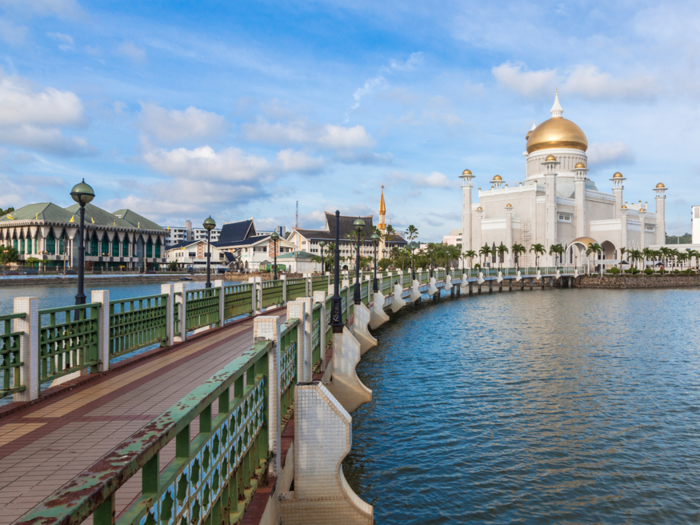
[44,446]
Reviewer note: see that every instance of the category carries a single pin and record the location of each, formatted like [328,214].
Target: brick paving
[45,445]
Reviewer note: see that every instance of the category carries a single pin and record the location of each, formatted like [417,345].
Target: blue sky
[179,110]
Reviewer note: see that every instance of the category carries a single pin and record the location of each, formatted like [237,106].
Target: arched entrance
[576,252]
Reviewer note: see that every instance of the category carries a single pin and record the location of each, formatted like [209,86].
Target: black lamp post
[413,261]
[209,224]
[359,226]
[275,237]
[430,252]
[82,193]
[322,244]
[375,240]
[336,305]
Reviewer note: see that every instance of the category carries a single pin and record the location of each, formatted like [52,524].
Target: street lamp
[375,240]
[430,252]
[275,237]
[336,304]
[322,244]
[209,224]
[359,226]
[82,193]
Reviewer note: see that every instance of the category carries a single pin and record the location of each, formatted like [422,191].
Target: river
[542,407]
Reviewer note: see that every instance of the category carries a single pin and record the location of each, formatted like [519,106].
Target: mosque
[558,204]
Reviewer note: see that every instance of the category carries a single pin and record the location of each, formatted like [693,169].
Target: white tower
[661,214]
[617,180]
[550,199]
[466,177]
[580,171]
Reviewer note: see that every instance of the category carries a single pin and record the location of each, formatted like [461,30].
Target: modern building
[453,239]
[120,240]
[299,262]
[558,204]
[308,240]
[194,255]
[251,250]
[186,233]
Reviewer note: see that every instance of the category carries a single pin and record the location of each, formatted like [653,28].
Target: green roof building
[120,240]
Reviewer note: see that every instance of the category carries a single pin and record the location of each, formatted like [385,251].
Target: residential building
[194,255]
[251,250]
[186,233]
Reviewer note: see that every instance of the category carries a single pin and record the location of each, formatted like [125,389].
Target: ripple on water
[568,406]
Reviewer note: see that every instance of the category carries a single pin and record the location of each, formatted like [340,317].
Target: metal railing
[238,300]
[10,363]
[202,308]
[272,293]
[137,323]
[295,288]
[288,364]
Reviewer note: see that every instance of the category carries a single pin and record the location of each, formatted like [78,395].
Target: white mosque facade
[558,204]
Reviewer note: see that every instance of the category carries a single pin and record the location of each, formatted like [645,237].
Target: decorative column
[466,210]
[580,171]
[623,219]
[660,213]
[642,227]
[550,196]
[509,234]
[477,229]
[617,191]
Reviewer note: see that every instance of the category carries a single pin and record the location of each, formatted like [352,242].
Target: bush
[629,270]
[614,270]
[648,271]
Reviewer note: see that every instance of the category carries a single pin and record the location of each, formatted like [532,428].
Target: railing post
[219,283]
[102,297]
[320,298]
[170,313]
[284,289]
[298,309]
[267,328]
[28,347]
[182,301]
[254,291]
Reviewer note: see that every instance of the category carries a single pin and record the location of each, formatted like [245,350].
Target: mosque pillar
[509,235]
[617,191]
[477,229]
[580,171]
[642,227]
[550,199]
[467,210]
[623,235]
[660,213]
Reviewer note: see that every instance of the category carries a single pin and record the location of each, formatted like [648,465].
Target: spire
[382,206]
[556,110]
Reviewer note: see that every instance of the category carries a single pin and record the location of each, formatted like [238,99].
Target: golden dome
[617,175]
[509,205]
[557,132]
[466,172]
[480,209]
[550,158]
[642,210]
[579,165]
[660,185]
[498,177]
[624,207]
[528,134]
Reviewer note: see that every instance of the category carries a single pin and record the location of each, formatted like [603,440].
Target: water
[562,406]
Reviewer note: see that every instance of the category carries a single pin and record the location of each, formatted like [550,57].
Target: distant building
[299,262]
[251,250]
[186,233]
[453,239]
[194,255]
[120,240]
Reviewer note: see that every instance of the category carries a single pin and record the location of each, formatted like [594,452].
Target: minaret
[617,191]
[580,171]
[550,200]
[466,177]
[660,213]
[557,110]
[642,227]
[382,213]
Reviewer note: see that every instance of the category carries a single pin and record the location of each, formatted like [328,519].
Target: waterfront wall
[637,281]
[106,279]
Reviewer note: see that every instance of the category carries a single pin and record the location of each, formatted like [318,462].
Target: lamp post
[82,193]
[209,224]
[359,226]
[336,305]
[430,252]
[275,237]
[322,244]
[375,240]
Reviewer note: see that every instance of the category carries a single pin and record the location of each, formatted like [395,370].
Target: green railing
[67,340]
[272,293]
[424,277]
[176,315]
[238,300]
[10,363]
[329,331]
[210,479]
[137,323]
[406,279]
[316,336]
[288,364]
[296,288]
[202,308]
[387,284]
[319,284]
[364,291]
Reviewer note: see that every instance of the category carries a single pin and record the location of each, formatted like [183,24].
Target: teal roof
[44,211]
[99,217]
[136,220]
[297,255]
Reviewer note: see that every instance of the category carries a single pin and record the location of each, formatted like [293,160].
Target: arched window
[115,247]
[62,245]
[158,247]
[125,247]
[105,246]
[93,245]
[51,243]
[149,248]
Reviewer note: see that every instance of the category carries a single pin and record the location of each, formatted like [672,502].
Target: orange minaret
[382,213]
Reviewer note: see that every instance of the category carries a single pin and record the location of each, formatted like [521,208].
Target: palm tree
[485,251]
[622,256]
[538,249]
[595,248]
[635,255]
[502,249]
[471,254]
[452,253]
[558,250]
[517,250]
[411,236]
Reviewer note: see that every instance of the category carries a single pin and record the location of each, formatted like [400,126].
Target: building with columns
[120,240]
[558,204]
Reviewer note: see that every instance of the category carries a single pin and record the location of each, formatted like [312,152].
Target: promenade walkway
[45,445]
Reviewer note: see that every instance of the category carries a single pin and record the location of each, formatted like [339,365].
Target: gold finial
[617,175]
[550,158]
[498,177]
[579,165]
[660,185]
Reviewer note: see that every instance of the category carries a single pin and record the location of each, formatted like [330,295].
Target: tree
[636,256]
[411,237]
[470,254]
[502,249]
[8,254]
[172,266]
[5,212]
[558,250]
[595,248]
[485,251]
[538,250]
[517,250]
[32,261]
[453,253]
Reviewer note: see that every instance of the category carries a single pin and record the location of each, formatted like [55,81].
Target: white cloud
[602,154]
[130,50]
[322,137]
[65,42]
[34,118]
[528,84]
[59,8]
[11,33]
[171,126]
[298,161]
[344,138]
[434,179]
[370,86]
[416,59]
[590,83]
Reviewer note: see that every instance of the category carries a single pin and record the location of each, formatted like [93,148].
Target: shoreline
[100,279]
[638,281]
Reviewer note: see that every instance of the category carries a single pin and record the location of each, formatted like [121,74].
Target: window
[105,246]
[649,227]
[149,248]
[125,248]
[50,244]
[115,247]
[565,217]
[192,254]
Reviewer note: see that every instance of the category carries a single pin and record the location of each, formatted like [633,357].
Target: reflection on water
[563,406]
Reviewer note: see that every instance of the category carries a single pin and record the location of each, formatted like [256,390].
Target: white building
[186,233]
[251,250]
[194,255]
[453,239]
[298,262]
[558,204]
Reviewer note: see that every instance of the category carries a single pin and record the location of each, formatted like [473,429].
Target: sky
[181,110]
